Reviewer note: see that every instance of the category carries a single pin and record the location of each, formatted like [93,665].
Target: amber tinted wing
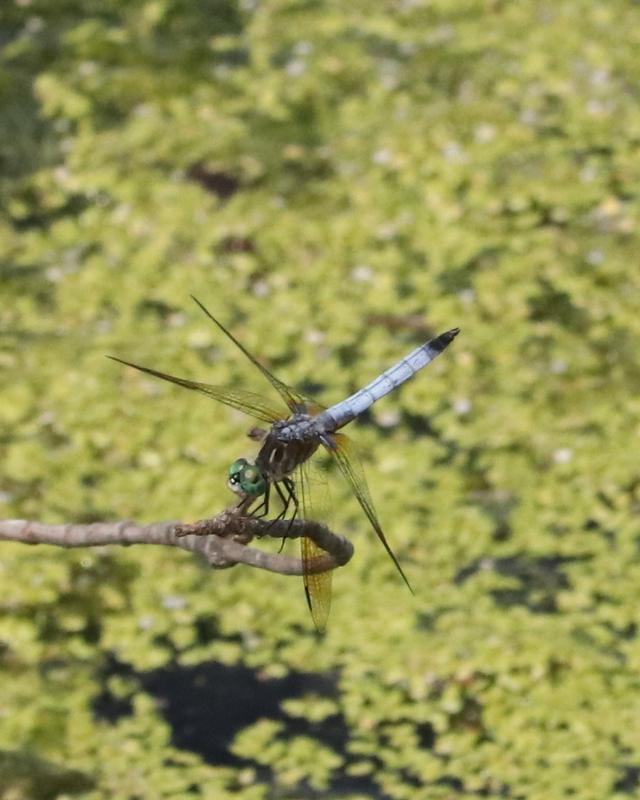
[294,399]
[348,460]
[317,586]
[247,402]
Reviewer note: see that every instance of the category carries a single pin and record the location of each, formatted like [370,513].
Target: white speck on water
[142,110]
[387,231]
[314,336]
[600,77]
[453,151]
[383,156]
[600,108]
[121,212]
[388,418]
[529,116]
[362,273]
[87,68]
[484,133]
[296,67]
[34,25]
[176,319]
[303,48]
[595,257]
[62,174]
[173,602]
[462,405]
[261,289]
[563,455]
[149,458]
[588,174]
[388,69]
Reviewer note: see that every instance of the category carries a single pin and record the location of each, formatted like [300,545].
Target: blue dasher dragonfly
[292,439]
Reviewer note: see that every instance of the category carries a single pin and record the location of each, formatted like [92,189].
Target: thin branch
[222,540]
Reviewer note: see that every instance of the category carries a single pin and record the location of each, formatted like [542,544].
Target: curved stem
[222,540]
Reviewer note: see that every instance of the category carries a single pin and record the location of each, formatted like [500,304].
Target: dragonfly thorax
[298,428]
[288,444]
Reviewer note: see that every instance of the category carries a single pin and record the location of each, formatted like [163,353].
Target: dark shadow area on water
[207,705]
[540,579]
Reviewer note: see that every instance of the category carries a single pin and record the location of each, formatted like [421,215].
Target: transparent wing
[294,399]
[317,586]
[247,402]
[349,463]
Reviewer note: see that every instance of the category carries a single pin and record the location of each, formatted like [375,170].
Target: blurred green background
[336,181]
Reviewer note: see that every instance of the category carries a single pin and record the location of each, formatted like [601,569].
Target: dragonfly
[293,437]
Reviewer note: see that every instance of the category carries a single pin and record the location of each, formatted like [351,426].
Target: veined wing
[294,399]
[348,460]
[317,586]
[248,402]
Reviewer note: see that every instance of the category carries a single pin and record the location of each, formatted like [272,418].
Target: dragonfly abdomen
[340,414]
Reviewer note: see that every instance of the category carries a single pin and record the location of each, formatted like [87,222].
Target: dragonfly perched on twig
[294,436]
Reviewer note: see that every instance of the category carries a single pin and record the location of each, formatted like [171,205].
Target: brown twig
[222,540]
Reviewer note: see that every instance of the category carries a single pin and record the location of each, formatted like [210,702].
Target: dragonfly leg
[286,500]
[263,508]
[291,497]
[285,504]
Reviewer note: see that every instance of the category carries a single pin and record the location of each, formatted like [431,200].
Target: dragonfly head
[245,478]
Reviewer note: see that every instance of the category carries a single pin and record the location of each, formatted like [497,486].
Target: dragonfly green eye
[246,478]
[237,466]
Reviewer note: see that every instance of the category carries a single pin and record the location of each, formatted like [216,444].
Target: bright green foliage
[336,181]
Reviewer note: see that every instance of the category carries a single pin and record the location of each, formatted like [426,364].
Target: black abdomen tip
[440,342]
